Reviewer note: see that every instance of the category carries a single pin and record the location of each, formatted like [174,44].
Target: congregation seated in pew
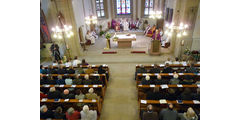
[170,94]
[168,113]
[159,80]
[75,80]
[70,114]
[67,94]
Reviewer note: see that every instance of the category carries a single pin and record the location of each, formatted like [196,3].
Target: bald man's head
[66,92]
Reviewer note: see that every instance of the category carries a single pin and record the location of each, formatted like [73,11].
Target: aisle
[120,101]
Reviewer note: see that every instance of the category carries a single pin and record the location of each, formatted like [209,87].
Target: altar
[124,40]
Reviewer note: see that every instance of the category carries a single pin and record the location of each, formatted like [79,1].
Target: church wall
[184,11]
[79,14]
[196,33]
[65,7]
[50,12]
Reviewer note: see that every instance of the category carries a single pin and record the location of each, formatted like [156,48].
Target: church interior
[120,59]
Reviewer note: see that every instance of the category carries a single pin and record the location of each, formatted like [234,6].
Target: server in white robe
[125,25]
[90,37]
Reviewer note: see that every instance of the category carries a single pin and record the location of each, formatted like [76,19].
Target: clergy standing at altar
[125,25]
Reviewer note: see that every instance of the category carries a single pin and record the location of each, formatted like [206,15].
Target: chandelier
[91,20]
[155,14]
[181,29]
[58,32]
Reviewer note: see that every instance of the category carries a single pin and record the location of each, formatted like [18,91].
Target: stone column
[184,11]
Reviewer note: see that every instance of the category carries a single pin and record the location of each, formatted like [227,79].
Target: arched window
[148,7]
[100,8]
[123,7]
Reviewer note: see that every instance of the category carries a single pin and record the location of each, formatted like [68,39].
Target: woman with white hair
[91,94]
[87,114]
[174,80]
[146,80]
[45,113]
[189,115]
[72,114]
[53,93]
[86,80]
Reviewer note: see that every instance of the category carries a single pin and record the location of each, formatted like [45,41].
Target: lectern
[155,47]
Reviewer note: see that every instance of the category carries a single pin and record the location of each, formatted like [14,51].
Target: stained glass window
[100,8]
[148,7]
[123,7]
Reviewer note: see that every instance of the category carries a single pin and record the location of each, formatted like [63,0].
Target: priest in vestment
[147,29]
[114,22]
[158,33]
[125,25]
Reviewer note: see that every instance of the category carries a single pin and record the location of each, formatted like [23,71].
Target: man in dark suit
[154,95]
[45,113]
[66,95]
[167,69]
[51,70]
[155,69]
[61,70]
[150,114]
[191,69]
[60,80]
[77,81]
[141,69]
[168,113]
[71,70]
[160,81]
[53,93]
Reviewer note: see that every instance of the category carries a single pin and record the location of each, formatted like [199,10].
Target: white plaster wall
[79,15]
[88,7]
[109,10]
[196,33]
[139,8]
[134,9]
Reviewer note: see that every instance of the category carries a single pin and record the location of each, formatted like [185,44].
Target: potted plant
[101,31]
[108,36]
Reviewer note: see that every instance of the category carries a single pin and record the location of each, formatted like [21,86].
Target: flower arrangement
[102,33]
[187,51]
[107,35]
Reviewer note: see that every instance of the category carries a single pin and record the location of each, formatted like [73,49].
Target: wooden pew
[139,75]
[161,66]
[95,67]
[101,87]
[72,103]
[159,106]
[142,87]
[81,75]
